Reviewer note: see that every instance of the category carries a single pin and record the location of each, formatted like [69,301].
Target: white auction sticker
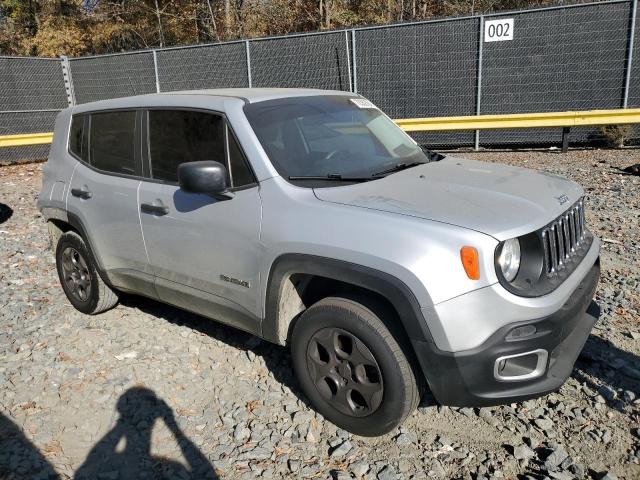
[498,30]
[363,103]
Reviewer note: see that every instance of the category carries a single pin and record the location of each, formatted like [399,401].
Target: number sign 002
[498,30]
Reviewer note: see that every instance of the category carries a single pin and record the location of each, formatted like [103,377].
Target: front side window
[178,136]
[112,142]
[330,136]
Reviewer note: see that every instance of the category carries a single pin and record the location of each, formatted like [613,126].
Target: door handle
[154,209]
[81,193]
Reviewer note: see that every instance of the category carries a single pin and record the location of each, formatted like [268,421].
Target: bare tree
[160,32]
[214,27]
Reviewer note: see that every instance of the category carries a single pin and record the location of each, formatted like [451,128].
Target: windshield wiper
[397,167]
[331,176]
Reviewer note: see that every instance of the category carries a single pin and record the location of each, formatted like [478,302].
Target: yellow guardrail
[522,120]
[582,118]
[25,139]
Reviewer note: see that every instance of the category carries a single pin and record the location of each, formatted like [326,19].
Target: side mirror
[204,177]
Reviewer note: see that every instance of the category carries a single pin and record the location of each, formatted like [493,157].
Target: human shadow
[615,370]
[5,213]
[125,451]
[19,458]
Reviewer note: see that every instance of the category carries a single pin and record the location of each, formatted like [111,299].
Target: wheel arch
[59,222]
[291,271]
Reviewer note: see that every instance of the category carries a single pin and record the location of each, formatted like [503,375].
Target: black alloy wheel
[345,371]
[76,274]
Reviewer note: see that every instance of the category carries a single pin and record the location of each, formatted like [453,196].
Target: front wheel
[352,368]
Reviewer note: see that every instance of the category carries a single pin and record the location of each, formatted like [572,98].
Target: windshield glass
[330,135]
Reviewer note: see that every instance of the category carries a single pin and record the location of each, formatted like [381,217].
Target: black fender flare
[390,287]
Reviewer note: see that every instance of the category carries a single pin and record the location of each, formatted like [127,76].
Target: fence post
[476,143]
[355,63]
[246,48]
[346,43]
[627,80]
[155,70]
[68,80]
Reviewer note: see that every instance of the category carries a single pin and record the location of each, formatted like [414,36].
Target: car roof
[246,95]
[254,95]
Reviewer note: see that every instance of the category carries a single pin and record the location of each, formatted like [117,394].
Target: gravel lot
[149,391]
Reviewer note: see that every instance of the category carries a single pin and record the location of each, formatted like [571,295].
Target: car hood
[499,200]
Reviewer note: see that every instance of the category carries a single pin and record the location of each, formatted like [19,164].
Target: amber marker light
[469,257]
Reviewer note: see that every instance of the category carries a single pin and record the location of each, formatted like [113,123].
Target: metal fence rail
[565,58]
[583,118]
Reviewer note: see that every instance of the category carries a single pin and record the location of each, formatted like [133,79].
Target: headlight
[509,259]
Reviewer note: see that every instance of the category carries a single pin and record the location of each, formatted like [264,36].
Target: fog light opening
[522,366]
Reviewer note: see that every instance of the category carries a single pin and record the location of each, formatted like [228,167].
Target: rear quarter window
[112,142]
[78,137]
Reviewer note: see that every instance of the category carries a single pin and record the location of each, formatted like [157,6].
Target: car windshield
[331,136]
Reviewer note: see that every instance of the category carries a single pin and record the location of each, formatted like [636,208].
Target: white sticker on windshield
[363,103]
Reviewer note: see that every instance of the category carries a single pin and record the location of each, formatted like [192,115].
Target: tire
[79,278]
[352,368]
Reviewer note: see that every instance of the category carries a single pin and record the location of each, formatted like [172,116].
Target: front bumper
[468,378]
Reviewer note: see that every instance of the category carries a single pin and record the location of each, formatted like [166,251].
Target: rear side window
[78,138]
[178,136]
[112,142]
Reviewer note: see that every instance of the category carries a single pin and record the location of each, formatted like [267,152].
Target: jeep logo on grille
[562,199]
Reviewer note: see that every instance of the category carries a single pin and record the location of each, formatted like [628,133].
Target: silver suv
[310,219]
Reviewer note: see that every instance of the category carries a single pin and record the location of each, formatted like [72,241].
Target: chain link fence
[212,66]
[31,94]
[421,70]
[302,61]
[111,76]
[562,59]
[575,57]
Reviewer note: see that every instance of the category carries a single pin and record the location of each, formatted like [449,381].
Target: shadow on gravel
[617,370]
[19,458]
[5,213]
[125,451]
[277,359]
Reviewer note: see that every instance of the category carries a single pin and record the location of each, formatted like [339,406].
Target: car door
[204,251]
[103,196]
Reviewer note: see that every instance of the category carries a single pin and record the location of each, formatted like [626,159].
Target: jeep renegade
[308,218]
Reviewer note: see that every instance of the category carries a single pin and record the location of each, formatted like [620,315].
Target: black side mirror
[204,177]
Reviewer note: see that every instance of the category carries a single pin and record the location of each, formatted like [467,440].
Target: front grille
[562,237]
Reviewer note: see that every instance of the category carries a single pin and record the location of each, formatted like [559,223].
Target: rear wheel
[352,368]
[79,278]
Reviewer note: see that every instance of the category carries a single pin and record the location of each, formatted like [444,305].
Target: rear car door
[103,195]
[204,251]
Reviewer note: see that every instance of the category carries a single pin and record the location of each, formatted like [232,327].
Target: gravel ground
[146,390]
